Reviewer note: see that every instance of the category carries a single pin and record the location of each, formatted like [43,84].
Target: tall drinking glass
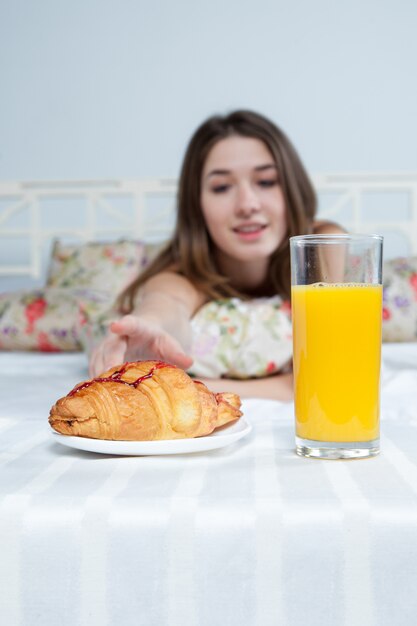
[336,297]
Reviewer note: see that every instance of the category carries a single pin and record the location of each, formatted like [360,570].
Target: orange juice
[337,355]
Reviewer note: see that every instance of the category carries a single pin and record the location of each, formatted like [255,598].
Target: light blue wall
[105,88]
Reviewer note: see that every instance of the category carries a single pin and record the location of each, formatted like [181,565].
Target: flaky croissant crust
[143,401]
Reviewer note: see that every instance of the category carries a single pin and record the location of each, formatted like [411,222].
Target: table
[247,535]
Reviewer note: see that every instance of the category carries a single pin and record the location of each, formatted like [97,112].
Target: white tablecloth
[246,535]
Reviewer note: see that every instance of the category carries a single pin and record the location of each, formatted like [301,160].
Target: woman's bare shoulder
[171,283]
[325,227]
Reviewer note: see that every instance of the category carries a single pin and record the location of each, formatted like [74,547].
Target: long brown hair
[190,251]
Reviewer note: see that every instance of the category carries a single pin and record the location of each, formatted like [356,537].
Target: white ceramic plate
[218,439]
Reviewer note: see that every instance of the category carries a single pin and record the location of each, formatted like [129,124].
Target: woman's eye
[220,188]
[268,182]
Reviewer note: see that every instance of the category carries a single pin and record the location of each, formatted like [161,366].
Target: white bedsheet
[246,535]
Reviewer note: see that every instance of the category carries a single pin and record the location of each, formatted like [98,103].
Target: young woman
[225,276]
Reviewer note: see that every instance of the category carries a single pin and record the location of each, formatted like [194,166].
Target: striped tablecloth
[246,535]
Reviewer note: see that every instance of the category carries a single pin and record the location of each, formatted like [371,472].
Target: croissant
[143,401]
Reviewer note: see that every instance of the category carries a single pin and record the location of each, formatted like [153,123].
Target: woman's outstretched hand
[135,338]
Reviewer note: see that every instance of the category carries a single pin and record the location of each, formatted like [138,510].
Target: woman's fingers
[146,340]
[184,361]
[129,325]
[166,348]
[110,352]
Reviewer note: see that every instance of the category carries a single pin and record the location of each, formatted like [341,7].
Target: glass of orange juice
[336,301]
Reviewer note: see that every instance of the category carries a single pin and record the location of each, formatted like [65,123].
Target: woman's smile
[250,231]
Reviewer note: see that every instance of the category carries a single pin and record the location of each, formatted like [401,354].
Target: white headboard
[32,214]
[385,204]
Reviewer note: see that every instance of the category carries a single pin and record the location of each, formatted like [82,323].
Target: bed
[248,533]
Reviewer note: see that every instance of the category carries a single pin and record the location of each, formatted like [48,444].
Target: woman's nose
[247,201]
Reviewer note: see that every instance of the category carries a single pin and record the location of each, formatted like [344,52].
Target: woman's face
[242,201]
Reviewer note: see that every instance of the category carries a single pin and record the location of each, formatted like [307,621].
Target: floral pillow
[45,320]
[73,311]
[400,300]
[241,339]
[93,319]
[103,266]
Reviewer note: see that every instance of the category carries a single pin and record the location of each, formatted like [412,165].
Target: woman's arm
[158,328]
[279,387]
